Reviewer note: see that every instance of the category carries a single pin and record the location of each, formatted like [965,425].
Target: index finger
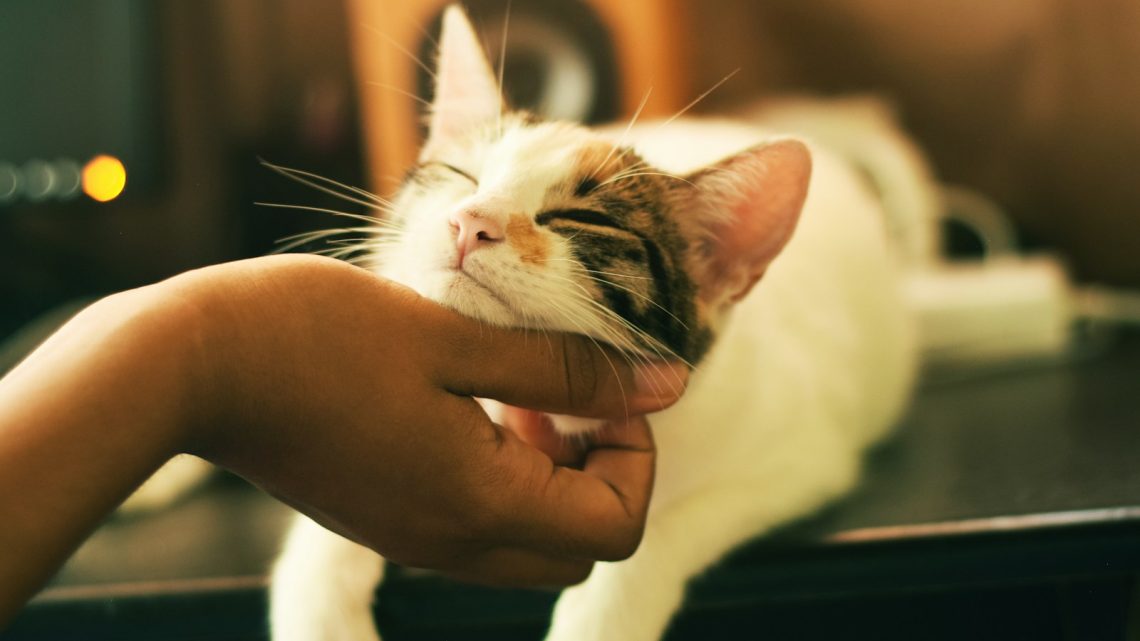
[554,372]
[598,512]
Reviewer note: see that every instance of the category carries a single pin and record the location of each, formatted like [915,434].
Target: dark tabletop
[995,477]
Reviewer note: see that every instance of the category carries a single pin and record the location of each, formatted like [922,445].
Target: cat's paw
[312,611]
[322,587]
[331,624]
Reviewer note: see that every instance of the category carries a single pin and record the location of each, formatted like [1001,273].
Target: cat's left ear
[466,90]
[748,205]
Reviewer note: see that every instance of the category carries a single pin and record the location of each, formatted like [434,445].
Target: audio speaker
[583,60]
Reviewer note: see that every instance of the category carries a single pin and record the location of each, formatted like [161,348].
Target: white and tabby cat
[674,240]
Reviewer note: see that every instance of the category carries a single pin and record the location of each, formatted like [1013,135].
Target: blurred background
[188,96]
[1030,102]
[132,135]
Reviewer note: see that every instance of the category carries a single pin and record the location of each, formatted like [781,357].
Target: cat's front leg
[634,600]
[322,587]
[172,482]
[630,601]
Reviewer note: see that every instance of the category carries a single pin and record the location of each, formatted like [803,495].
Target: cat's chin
[469,297]
[575,425]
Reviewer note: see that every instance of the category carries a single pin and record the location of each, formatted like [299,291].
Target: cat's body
[796,376]
[820,350]
[814,365]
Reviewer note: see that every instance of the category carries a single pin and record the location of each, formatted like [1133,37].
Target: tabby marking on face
[619,221]
[580,214]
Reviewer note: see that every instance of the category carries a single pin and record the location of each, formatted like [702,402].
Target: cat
[760,260]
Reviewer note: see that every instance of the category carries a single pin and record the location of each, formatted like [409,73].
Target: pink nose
[474,230]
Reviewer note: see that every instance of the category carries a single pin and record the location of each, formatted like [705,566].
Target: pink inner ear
[753,200]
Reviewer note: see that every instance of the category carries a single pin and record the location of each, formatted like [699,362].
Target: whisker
[624,134]
[639,295]
[661,351]
[381,222]
[325,232]
[411,56]
[584,295]
[400,91]
[626,347]
[645,173]
[423,32]
[637,166]
[595,271]
[578,267]
[297,240]
[589,323]
[292,172]
[503,62]
[699,98]
[616,275]
[585,331]
[314,180]
[650,342]
[340,252]
[356,242]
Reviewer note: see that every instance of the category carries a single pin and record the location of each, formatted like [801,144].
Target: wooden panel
[650,41]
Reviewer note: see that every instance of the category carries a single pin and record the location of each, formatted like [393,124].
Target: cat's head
[550,225]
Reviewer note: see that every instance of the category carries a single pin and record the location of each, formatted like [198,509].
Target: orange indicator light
[104,178]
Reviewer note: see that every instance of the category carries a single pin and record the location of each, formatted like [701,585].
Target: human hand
[345,395]
[350,398]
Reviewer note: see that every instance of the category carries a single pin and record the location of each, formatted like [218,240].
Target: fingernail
[660,379]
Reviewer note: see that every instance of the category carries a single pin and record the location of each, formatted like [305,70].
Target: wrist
[149,342]
[183,322]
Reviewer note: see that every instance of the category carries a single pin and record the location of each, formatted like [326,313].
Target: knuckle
[484,515]
[581,364]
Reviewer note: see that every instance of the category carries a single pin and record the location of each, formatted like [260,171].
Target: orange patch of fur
[525,238]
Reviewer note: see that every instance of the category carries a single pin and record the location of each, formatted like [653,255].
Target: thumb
[557,372]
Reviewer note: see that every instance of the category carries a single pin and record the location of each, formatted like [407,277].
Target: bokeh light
[104,178]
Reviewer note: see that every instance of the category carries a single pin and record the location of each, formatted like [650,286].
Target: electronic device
[80,118]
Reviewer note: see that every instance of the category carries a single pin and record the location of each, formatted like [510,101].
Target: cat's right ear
[748,206]
[466,91]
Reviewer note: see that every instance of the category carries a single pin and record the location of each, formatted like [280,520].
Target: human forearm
[83,421]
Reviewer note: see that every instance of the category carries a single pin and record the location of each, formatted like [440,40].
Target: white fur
[814,365]
[322,587]
[513,176]
[173,481]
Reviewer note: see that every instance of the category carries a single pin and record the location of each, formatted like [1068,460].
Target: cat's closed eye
[584,216]
[453,169]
